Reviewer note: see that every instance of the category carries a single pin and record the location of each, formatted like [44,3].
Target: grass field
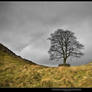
[18,73]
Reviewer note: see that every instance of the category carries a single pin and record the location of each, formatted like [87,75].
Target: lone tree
[63,45]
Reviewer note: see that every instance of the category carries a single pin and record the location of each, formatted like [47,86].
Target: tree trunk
[64,61]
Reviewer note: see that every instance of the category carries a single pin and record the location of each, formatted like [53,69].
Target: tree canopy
[63,45]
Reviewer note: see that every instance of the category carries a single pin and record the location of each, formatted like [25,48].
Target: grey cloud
[26,25]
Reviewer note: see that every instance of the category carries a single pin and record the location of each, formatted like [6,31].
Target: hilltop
[16,71]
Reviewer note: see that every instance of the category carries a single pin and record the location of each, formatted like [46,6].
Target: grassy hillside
[18,72]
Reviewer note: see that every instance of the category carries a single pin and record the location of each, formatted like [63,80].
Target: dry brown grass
[14,72]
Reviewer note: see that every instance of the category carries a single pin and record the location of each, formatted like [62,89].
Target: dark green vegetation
[18,72]
[64,65]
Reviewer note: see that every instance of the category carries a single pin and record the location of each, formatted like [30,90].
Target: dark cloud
[25,26]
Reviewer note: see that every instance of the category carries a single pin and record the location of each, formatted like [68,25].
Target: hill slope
[7,56]
[18,72]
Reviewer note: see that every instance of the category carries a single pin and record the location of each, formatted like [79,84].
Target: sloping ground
[17,72]
[25,75]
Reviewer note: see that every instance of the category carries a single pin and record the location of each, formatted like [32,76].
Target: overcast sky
[25,27]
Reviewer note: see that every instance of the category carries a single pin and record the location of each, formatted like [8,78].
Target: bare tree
[63,45]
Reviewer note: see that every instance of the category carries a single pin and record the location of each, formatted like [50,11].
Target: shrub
[64,65]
